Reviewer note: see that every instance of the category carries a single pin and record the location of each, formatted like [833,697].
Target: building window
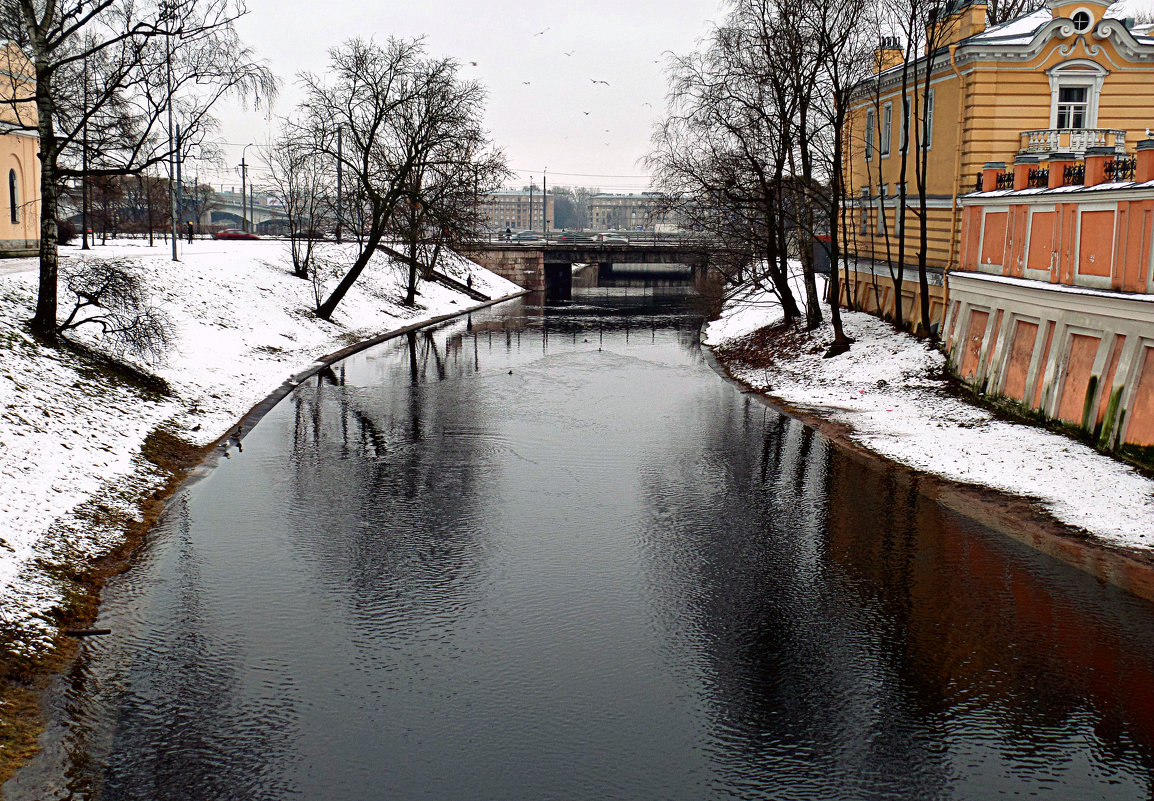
[887,129]
[13,200]
[928,122]
[1072,106]
[869,137]
[1082,20]
[1074,90]
[903,126]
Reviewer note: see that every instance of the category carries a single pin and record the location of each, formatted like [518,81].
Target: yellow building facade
[1042,88]
[19,161]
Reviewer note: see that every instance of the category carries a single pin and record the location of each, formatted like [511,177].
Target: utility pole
[172,156]
[250,211]
[532,185]
[84,169]
[243,184]
[340,187]
[179,187]
[544,207]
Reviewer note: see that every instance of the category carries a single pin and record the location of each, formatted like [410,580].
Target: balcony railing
[1071,140]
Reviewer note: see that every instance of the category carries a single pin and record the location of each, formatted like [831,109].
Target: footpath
[889,395]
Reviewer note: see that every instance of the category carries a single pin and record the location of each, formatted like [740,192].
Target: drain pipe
[957,186]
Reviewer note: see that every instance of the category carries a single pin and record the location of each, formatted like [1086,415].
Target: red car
[234,233]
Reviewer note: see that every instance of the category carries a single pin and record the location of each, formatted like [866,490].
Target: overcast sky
[538,61]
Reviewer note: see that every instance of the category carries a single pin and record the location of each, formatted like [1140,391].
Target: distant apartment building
[516,209]
[629,212]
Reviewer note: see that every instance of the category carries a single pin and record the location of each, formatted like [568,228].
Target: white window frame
[1077,73]
[1088,13]
[871,121]
[887,130]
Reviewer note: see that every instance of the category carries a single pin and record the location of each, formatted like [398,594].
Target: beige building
[1044,87]
[631,212]
[517,209]
[19,164]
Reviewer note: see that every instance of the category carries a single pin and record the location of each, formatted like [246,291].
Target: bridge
[263,218]
[547,265]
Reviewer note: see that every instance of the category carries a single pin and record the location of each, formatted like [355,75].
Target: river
[546,552]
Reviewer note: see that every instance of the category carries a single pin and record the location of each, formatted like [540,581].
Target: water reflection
[544,552]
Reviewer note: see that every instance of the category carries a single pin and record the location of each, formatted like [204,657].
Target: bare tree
[301,182]
[109,296]
[719,157]
[412,134]
[101,82]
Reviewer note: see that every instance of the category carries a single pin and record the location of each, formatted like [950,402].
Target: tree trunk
[44,320]
[326,309]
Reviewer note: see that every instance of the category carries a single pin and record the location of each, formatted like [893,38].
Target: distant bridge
[548,264]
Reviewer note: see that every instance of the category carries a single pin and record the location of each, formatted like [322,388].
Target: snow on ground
[70,437]
[888,390]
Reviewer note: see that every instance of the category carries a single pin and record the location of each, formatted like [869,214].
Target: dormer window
[1082,20]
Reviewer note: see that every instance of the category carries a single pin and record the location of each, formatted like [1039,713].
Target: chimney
[954,21]
[889,54]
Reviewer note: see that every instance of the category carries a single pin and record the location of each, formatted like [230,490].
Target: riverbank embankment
[88,452]
[890,396]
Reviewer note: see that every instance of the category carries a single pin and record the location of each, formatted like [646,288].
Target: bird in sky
[538,33]
[586,113]
[648,104]
[597,81]
[570,52]
[472,63]
[525,83]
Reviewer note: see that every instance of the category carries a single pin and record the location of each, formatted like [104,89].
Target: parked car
[525,236]
[574,236]
[234,233]
[612,239]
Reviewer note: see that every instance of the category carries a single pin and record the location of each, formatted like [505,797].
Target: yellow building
[1044,87]
[19,161]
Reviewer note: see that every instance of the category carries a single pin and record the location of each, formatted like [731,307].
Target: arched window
[13,201]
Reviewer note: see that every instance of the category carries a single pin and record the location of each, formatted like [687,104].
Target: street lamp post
[243,195]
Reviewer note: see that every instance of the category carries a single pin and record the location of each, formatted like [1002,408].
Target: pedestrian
[190,232]
[469,282]
[508,233]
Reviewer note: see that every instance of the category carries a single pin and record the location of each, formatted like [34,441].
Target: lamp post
[243,175]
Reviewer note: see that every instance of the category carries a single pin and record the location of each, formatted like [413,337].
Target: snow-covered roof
[1022,28]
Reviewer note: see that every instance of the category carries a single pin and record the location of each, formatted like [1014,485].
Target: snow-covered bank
[888,390]
[70,438]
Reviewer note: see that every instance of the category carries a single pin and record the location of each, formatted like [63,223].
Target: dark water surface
[548,553]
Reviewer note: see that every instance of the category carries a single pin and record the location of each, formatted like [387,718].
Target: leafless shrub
[109,295]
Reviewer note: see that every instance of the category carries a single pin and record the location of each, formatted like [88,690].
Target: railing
[1005,180]
[1038,177]
[1071,140]
[978,182]
[1074,175]
[1120,169]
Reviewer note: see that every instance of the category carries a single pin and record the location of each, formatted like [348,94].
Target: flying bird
[597,81]
[472,63]
[525,83]
[538,33]
[570,52]
[648,104]
[586,113]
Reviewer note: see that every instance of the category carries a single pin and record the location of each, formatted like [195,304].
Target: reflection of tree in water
[854,633]
[385,475]
[797,698]
[185,727]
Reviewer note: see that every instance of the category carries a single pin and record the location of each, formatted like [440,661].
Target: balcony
[1071,140]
